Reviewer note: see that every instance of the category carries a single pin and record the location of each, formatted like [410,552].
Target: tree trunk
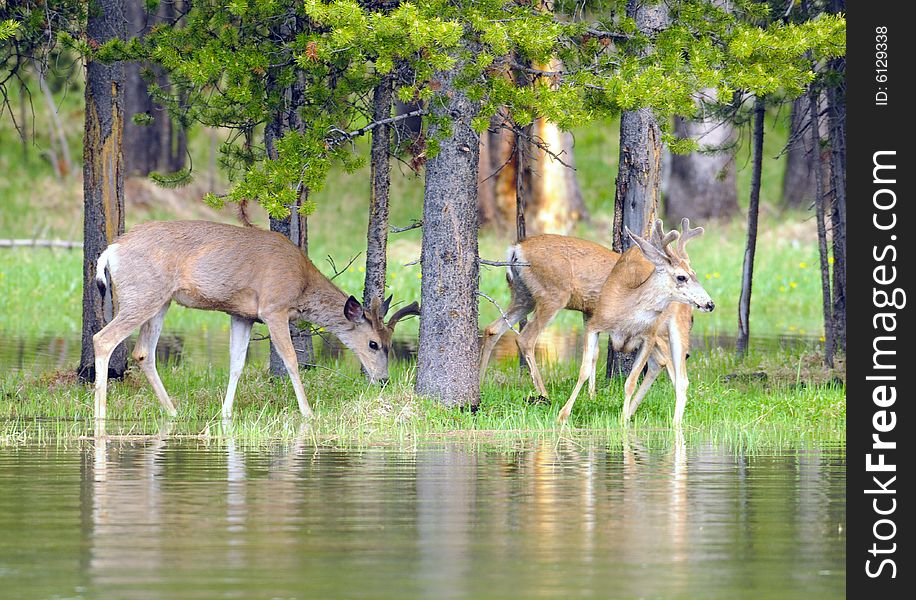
[702,184]
[380,177]
[640,166]
[798,180]
[820,202]
[160,144]
[747,271]
[447,358]
[295,226]
[103,178]
[836,103]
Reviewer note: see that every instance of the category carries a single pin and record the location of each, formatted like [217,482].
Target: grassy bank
[769,398]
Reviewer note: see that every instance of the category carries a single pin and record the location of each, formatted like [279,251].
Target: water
[166,518]
[56,352]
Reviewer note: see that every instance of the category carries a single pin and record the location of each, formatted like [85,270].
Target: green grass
[728,402]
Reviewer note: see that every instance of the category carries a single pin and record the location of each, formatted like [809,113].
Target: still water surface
[169,518]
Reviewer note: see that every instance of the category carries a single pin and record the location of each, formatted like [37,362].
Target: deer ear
[353,310]
[652,254]
[385,306]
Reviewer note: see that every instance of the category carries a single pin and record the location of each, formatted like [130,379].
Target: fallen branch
[40,244]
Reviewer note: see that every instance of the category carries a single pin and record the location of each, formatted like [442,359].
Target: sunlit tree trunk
[103,178]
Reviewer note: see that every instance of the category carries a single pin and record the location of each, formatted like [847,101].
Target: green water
[166,518]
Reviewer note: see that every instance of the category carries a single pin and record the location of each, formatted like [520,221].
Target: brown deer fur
[251,274]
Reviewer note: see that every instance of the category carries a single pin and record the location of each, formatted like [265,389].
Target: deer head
[370,336]
[680,280]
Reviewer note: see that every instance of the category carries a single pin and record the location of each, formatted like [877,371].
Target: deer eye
[682,279]
[374,345]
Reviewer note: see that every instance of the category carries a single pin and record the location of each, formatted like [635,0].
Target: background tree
[153,140]
[103,177]
[701,184]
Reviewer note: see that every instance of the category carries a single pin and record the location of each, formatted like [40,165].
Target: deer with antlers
[251,274]
[638,308]
[551,272]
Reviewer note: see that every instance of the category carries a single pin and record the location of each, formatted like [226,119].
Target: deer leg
[239,335]
[592,374]
[679,366]
[629,387]
[104,344]
[655,367]
[145,355]
[591,348]
[527,339]
[495,330]
[279,334]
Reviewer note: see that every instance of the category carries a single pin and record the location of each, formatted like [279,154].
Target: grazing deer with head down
[637,308]
[251,274]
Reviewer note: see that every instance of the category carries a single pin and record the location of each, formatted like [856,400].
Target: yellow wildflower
[793,285]
[802,265]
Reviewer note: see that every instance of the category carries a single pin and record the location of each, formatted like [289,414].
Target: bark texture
[747,271]
[640,167]
[820,205]
[798,182]
[103,178]
[701,185]
[836,104]
[447,358]
[380,177]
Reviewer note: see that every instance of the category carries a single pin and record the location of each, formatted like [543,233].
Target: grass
[768,399]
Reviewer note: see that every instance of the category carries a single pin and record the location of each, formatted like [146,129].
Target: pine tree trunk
[447,359]
[295,227]
[820,202]
[702,184]
[640,167]
[798,180]
[380,177]
[836,103]
[747,271]
[103,178]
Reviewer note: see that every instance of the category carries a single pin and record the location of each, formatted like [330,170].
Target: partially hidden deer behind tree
[553,272]
[251,274]
[639,307]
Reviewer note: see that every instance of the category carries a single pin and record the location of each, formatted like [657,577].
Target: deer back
[561,265]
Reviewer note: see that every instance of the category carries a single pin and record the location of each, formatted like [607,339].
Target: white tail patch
[513,254]
[109,260]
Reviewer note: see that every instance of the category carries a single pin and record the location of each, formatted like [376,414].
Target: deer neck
[322,303]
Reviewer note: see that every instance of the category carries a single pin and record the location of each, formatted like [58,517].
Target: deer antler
[411,309]
[662,240]
[687,234]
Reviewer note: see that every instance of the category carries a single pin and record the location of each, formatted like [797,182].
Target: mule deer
[560,272]
[636,308]
[251,274]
